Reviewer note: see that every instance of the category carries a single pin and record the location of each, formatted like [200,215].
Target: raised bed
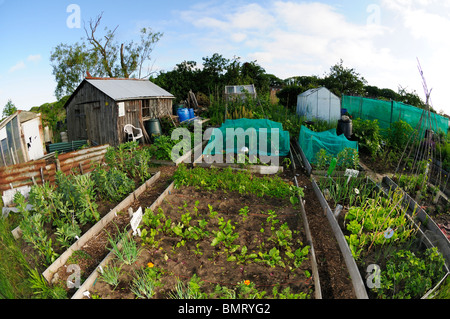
[353,266]
[196,257]
[90,281]
[428,225]
[95,230]
[358,284]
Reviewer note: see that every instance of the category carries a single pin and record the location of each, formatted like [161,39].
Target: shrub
[368,134]
[398,135]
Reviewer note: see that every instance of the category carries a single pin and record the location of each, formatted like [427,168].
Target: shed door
[95,123]
[33,140]
[80,118]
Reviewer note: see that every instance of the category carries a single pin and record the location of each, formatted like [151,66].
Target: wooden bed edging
[358,284]
[430,227]
[315,270]
[89,282]
[94,230]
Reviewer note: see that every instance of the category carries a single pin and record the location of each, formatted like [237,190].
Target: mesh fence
[387,112]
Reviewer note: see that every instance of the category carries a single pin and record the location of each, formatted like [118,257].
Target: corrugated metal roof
[129,89]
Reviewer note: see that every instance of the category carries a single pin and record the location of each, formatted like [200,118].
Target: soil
[93,252]
[334,278]
[211,265]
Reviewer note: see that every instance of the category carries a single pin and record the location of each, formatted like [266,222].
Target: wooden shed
[100,108]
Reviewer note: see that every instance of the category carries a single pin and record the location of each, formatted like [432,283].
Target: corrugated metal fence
[44,170]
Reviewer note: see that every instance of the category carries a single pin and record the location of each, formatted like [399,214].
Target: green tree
[411,98]
[342,80]
[184,77]
[9,109]
[101,56]
[288,95]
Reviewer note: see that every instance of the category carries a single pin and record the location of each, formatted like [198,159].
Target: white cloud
[18,66]
[425,23]
[291,38]
[34,58]
[21,64]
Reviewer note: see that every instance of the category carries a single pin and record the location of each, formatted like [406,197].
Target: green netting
[260,136]
[312,142]
[387,112]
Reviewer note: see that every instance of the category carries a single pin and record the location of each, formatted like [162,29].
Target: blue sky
[380,39]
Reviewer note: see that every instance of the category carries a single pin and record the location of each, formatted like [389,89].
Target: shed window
[145,108]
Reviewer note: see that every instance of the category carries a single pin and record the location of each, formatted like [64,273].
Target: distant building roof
[128,89]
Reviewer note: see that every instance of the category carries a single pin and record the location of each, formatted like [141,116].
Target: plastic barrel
[153,127]
[183,114]
[345,127]
[191,113]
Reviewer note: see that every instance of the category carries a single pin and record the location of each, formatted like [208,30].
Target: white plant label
[135,221]
[351,173]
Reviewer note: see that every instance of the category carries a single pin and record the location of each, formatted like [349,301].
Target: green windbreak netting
[260,137]
[312,142]
[387,112]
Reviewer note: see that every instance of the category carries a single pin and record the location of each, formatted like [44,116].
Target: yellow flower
[247,282]
[150,265]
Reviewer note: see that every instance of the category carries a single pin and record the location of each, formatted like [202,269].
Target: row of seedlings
[192,243]
[380,241]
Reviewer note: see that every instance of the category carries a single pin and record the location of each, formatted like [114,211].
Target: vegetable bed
[390,250]
[219,234]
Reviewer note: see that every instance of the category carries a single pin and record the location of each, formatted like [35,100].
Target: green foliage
[190,291]
[211,78]
[368,134]
[347,158]
[409,276]
[79,191]
[131,159]
[162,146]
[368,223]
[13,265]
[33,231]
[145,281]
[9,109]
[124,247]
[42,290]
[111,273]
[288,95]
[240,181]
[341,80]
[112,184]
[52,114]
[398,135]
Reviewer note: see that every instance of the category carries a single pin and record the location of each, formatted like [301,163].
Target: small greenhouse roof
[311,91]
